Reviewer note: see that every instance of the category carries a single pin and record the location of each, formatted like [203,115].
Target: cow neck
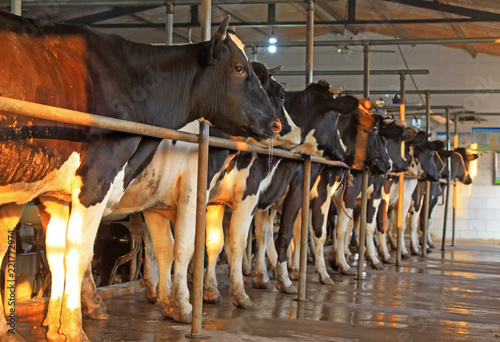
[466,172]
[346,126]
[442,163]
[166,75]
[362,130]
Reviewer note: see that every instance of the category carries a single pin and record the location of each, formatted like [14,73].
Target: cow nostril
[276,127]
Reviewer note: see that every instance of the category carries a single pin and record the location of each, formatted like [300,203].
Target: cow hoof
[98,314]
[150,296]
[347,271]
[389,261]
[405,256]
[377,266]
[246,271]
[431,245]
[350,258]
[290,289]
[54,336]
[75,336]
[294,274]
[212,296]
[242,301]
[178,311]
[326,280]
[258,282]
[9,337]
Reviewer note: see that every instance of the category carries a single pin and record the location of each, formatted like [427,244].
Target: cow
[392,133]
[421,153]
[88,169]
[252,183]
[460,165]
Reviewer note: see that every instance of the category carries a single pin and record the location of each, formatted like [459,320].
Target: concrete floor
[451,296]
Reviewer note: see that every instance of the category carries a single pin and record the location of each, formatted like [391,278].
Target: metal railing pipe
[305,228]
[169,22]
[445,223]
[454,212]
[427,183]
[362,224]
[355,72]
[400,238]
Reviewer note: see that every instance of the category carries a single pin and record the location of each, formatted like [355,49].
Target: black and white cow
[460,166]
[88,169]
[421,153]
[252,183]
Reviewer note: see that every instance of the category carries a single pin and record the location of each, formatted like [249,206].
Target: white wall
[478,205]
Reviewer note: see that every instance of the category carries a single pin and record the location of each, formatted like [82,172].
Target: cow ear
[391,131]
[216,43]
[275,70]
[472,157]
[419,139]
[408,133]
[445,153]
[435,145]
[345,104]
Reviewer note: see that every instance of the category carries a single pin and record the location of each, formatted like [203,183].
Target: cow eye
[282,97]
[239,69]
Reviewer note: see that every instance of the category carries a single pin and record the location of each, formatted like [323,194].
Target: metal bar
[264,24]
[124,3]
[271,12]
[402,109]
[383,42]
[201,200]
[427,183]
[16,7]
[423,107]
[169,22]
[351,10]
[309,41]
[433,92]
[305,228]
[354,72]
[445,223]
[454,213]
[110,14]
[436,6]
[362,224]
[366,71]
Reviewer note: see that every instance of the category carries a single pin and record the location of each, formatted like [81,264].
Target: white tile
[469,235]
[476,202]
[486,235]
[493,203]
[477,225]
[467,213]
[493,226]
[486,214]
[461,224]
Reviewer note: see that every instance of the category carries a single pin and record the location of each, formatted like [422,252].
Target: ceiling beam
[436,6]
[113,13]
[125,3]
[461,33]
[351,10]
[332,14]
[316,23]
[384,13]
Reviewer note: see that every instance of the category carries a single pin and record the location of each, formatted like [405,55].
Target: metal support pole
[309,41]
[307,160]
[427,183]
[16,7]
[402,108]
[253,54]
[448,181]
[362,224]
[454,213]
[201,202]
[304,228]
[366,71]
[169,22]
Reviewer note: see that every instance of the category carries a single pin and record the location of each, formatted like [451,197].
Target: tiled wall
[478,205]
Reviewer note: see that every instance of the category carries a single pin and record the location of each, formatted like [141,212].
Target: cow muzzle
[276,126]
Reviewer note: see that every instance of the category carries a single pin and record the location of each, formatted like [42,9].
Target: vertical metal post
[16,7]
[254,53]
[309,41]
[201,202]
[366,71]
[307,159]
[362,224]
[427,183]
[454,213]
[304,228]
[402,109]
[169,22]
[445,223]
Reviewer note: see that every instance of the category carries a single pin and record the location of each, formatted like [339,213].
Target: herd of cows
[78,174]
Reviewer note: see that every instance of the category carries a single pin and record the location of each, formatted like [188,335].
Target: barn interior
[438,58]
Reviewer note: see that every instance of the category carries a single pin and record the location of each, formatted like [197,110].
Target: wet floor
[451,296]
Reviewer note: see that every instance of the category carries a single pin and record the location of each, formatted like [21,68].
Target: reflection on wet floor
[451,296]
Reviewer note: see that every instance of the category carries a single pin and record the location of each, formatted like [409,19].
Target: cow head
[398,163]
[423,156]
[236,103]
[290,135]
[441,160]
[316,111]
[460,165]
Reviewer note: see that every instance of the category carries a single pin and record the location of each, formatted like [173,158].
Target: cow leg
[92,303]
[82,229]
[214,243]
[294,269]
[349,236]
[150,279]
[54,215]
[163,247]
[342,223]
[271,253]
[406,207]
[9,218]
[318,219]
[414,247]
[240,224]
[263,220]
[371,250]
